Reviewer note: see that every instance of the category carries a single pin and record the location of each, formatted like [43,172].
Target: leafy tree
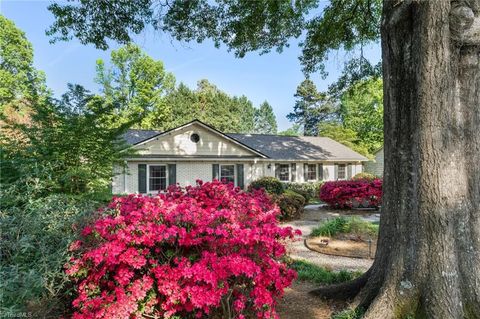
[295,130]
[265,121]
[19,80]
[69,148]
[355,70]
[138,84]
[209,104]
[427,261]
[346,136]
[361,110]
[311,108]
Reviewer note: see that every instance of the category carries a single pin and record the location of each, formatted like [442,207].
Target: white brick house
[197,151]
[375,166]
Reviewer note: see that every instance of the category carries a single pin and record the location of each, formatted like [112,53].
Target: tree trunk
[428,258]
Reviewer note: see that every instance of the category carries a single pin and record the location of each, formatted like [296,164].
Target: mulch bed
[346,247]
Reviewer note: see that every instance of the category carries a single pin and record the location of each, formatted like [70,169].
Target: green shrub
[290,203]
[362,227]
[319,275]
[331,228]
[349,314]
[308,190]
[34,242]
[352,225]
[364,176]
[271,185]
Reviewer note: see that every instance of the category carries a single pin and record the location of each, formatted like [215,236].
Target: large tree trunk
[428,258]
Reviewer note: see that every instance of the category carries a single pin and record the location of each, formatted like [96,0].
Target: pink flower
[182,253]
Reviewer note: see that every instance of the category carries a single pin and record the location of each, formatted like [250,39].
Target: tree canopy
[241,25]
[18,78]
[265,120]
[138,84]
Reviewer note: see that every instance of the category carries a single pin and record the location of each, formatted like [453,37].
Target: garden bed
[348,237]
[342,247]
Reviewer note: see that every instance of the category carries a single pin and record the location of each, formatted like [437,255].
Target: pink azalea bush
[348,194]
[209,251]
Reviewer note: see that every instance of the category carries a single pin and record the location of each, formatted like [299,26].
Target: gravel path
[313,215]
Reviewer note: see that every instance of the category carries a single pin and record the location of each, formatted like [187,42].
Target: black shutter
[216,171]
[172,174]
[305,172]
[142,178]
[335,172]
[293,171]
[320,172]
[349,171]
[277,171]
[240,176]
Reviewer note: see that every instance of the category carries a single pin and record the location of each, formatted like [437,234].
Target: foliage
[348,194]
[342,225]
[291,204]
[243,26]
[349,314]
[331,227]
[34,243]
[364,176]
[308,271]
[311,108]
[265,121]
[211,105]
[295,130]
[19,80]
[348,137]
[68,147]
[138,84]
[355,71]
[270,184]
[206,251]
[361,110]
[309,190]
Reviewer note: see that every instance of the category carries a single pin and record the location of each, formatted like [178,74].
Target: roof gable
[178,142]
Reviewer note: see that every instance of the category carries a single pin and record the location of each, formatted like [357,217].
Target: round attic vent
[195,138]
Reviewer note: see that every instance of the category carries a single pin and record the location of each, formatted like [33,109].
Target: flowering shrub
[209,251]
[348,194]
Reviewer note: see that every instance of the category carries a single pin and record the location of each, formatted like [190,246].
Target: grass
[310,272]
[342,225]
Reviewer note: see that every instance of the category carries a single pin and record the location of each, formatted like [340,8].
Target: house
[198,151]
[375,166]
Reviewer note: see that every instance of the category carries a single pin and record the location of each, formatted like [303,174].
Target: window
[341,171]
[227,173]
[283,172]
[195,138]
[311,172]
[157,177]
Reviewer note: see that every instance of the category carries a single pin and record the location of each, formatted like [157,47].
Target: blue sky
[272,77]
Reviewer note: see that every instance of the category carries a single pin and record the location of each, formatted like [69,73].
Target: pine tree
[265,120]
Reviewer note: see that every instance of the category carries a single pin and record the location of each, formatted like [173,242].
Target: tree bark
[428,259]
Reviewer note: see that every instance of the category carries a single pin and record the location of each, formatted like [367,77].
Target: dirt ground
[297,304]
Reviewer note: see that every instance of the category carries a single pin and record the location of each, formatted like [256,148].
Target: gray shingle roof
[298,147]
[277,146]
[136,136]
